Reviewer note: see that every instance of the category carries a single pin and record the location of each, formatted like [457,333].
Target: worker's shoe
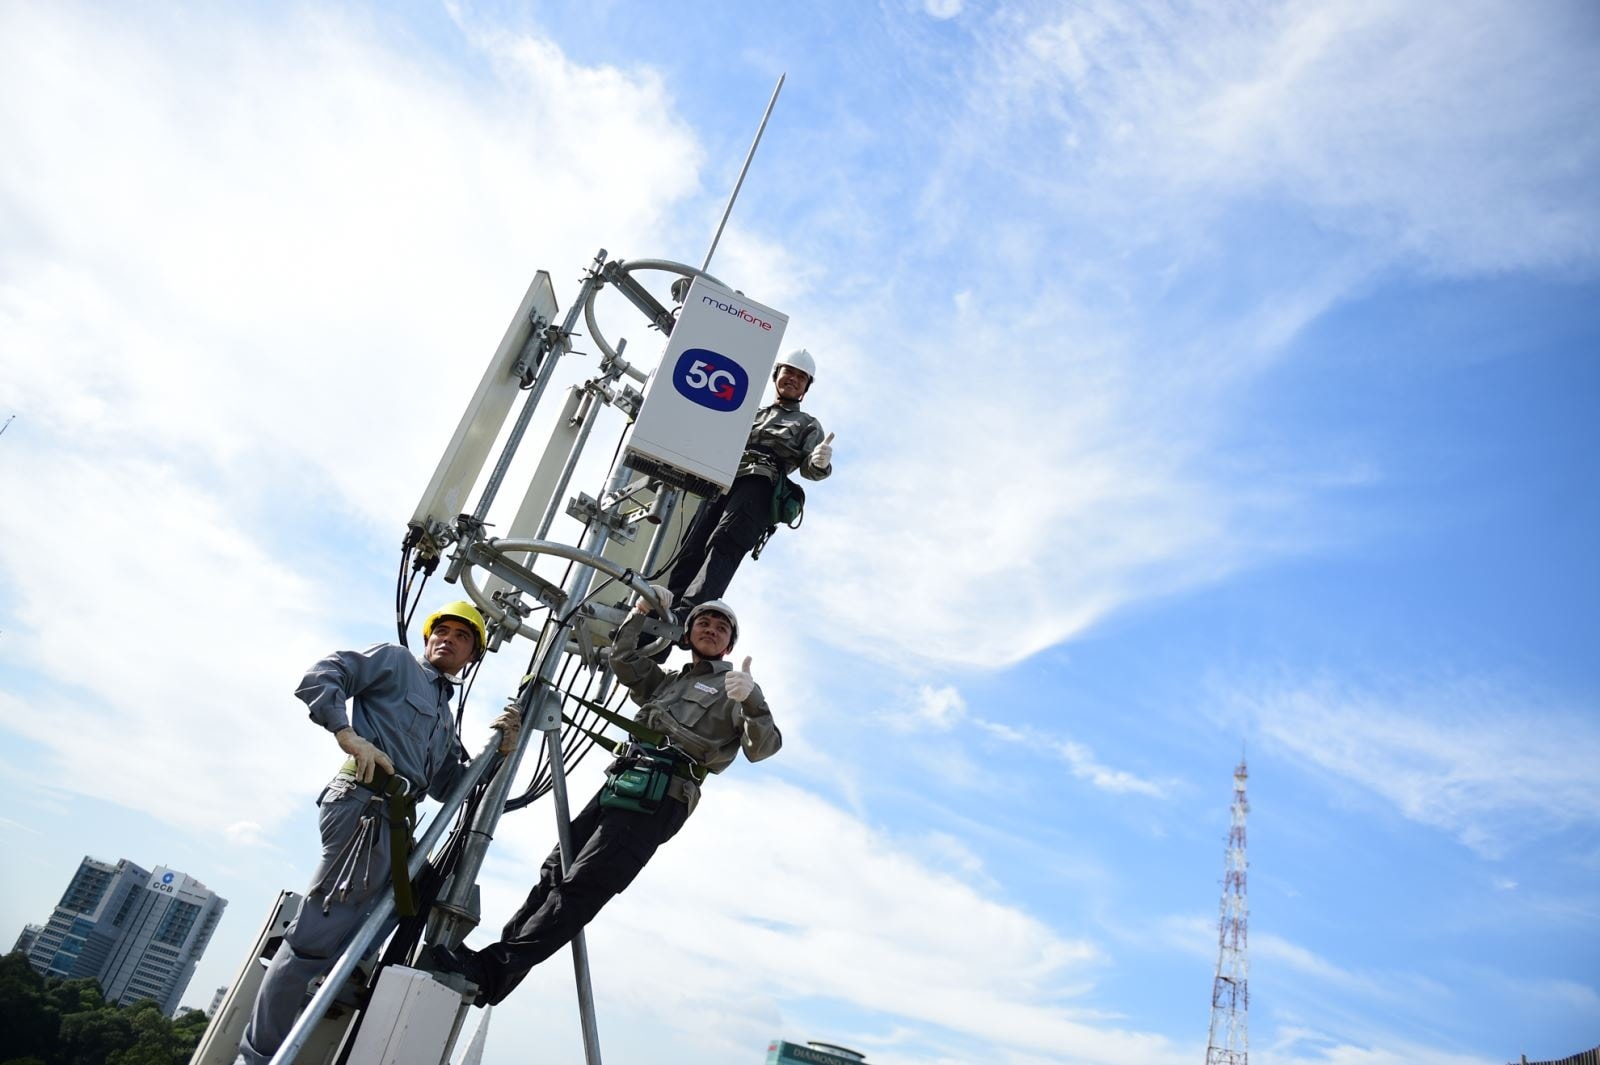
[460,961]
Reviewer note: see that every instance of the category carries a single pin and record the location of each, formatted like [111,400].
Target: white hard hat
[801,360]
[715,606]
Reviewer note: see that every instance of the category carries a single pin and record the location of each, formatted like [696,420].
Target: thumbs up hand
[822,454]
[738,683]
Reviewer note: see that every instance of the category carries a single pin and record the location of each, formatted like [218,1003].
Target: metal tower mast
[1229,1041]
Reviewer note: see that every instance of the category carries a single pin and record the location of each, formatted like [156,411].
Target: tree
[91,1037]
[28,1018]
[68,1022]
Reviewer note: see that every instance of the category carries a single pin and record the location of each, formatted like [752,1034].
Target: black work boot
[458,961]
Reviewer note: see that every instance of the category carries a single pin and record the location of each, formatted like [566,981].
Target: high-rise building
[140,934]
[29,936]
[88,920]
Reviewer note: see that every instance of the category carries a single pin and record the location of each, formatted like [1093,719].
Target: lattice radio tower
[1229,1041]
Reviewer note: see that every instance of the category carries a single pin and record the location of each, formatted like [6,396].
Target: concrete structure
[138,933]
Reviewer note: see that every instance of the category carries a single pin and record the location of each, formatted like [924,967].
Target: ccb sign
[710,379]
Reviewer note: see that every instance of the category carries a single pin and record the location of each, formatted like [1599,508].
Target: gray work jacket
[693,709]
[399,702]
[781,442]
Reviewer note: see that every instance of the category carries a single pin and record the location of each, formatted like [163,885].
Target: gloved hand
[738,683]
[822,454]
[642,605]
[365,752]
[510,725]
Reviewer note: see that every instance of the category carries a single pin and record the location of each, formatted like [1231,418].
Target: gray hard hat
[715,606]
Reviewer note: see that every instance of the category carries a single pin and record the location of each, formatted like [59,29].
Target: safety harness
[788,505]
[401,807]
[645,763]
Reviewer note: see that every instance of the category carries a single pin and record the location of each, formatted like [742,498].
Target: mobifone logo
[710,379]
[741,313]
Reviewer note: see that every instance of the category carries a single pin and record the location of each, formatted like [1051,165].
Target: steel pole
[382,909]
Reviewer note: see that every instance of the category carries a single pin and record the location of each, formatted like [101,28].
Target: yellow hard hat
[461,610]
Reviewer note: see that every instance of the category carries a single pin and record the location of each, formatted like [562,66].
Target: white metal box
[701,400]
[411,1020]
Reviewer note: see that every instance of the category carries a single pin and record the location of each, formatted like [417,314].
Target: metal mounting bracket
[588,510]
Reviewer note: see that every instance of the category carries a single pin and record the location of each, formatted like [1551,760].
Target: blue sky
[1206,379]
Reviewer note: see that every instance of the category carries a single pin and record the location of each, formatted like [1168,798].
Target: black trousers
[724,530]
[611,846]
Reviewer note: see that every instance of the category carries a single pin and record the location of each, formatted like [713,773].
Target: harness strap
[640,732]
[643,733]
[395,790]
[683,766]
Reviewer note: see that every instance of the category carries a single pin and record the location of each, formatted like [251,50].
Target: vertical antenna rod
[751,154]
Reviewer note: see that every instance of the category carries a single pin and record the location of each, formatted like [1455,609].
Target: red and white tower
[1229,1041]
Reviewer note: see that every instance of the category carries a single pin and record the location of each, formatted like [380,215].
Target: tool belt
[395,790]
[639,779]
[760,457]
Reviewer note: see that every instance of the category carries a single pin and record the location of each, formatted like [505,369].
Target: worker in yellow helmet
[389,711]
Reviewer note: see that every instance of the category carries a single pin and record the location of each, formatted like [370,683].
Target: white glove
[738,683]
[367,754]
[822,454]
[510,725]
[642,605]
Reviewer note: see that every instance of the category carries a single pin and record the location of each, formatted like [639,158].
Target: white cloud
[942,9]
[813,905]
[1309,1046]
[931,709]
[1454,136]
[1084,766]
[1485,762]
[250,273]
[1275,950]
[1052,448]
[245,833]
[1080,760]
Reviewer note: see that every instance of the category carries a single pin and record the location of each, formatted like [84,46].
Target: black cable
[540,783]
[400,593]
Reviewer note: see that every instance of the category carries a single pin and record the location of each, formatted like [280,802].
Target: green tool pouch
[638,780]
[788,508]
[788,503]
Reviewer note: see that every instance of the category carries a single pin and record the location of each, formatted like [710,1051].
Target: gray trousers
[353,874]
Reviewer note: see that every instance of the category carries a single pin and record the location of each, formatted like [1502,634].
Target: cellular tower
[1229,1041]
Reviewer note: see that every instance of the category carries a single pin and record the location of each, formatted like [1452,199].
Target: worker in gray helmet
[784,440]
[691,723]
[389,711]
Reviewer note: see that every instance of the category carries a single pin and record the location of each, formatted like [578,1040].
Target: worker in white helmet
[784,440]
[692,722]
[389,711]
